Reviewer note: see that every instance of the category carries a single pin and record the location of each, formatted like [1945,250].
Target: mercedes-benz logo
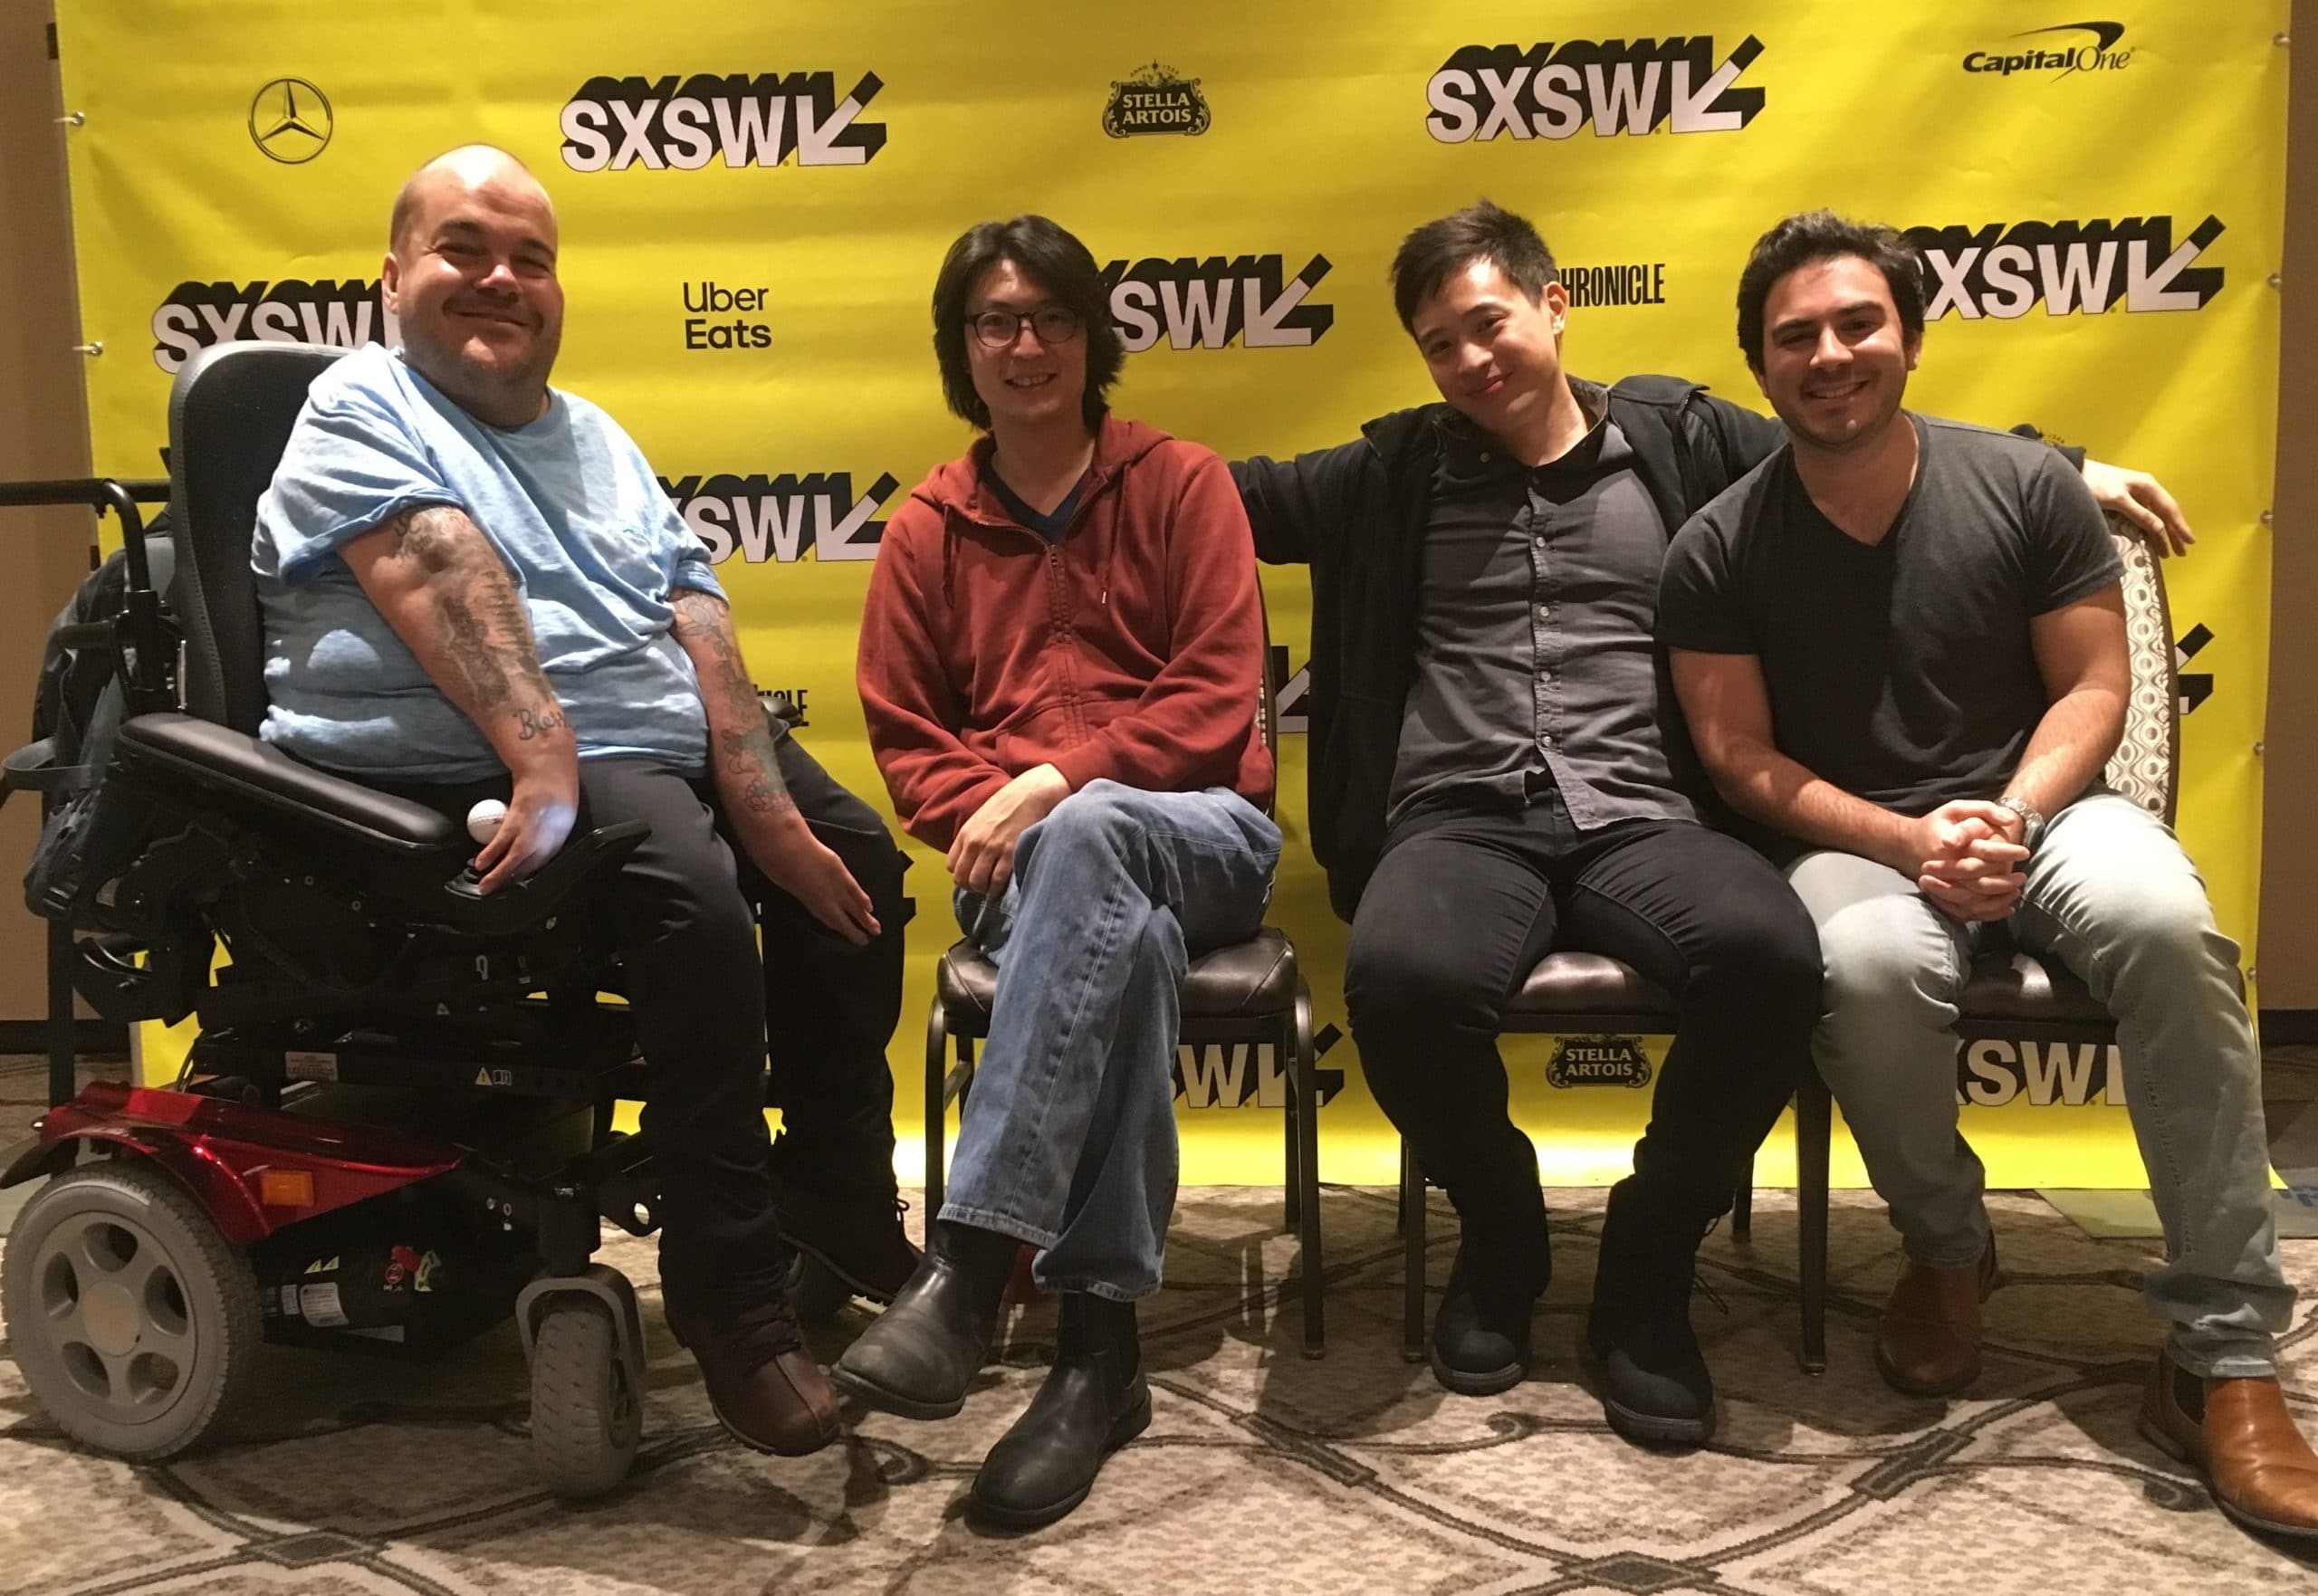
[290,120]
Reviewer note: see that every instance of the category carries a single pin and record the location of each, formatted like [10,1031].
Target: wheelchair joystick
[483,820]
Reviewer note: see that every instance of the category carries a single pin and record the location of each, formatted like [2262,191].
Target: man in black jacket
[1497,771]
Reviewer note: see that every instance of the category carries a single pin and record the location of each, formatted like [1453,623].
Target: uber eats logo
[1204,304]
[1597,1061]
[1485,91]
[2006,270]
[292,311]
[779,518]
[741,119]
[1992,1072]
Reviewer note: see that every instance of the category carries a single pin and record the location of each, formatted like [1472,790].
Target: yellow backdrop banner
[755,201]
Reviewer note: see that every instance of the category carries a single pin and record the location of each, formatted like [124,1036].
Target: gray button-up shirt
[1537,659]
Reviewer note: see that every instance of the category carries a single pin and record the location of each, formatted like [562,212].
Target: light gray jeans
[2111,895]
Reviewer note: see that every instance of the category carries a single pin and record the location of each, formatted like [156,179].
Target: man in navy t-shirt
[1900,644]
[471,581]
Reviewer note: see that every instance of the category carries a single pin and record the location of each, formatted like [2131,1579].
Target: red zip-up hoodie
[1130,648]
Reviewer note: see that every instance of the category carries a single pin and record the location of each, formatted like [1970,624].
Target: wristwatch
[2032,824]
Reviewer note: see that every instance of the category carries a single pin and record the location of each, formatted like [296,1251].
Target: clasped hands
[982,854]
[1967,858]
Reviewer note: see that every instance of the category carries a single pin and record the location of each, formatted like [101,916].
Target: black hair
[1820,236]
[1483,230]
[1055,260]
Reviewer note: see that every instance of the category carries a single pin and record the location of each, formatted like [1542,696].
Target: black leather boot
[1481,1335]
[919,1356]
[1093,1403]
[1655,1388]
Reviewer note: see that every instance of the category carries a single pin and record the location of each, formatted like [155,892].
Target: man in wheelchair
[474,588]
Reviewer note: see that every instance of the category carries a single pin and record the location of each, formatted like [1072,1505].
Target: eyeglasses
[998,329]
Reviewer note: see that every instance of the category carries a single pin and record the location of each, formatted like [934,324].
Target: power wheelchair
[394,1125]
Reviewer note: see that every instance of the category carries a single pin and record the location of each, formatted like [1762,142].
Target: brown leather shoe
[2240,1437]
[762,1383]
[1928,1343]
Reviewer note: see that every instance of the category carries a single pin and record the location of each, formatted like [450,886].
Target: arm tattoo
[485,636]
[748,768]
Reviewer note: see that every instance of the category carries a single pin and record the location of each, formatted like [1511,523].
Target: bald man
[474,586]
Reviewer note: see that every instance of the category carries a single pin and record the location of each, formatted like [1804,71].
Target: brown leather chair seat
[1251,978]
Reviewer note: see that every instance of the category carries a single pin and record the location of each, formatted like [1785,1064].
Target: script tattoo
[533,723]
[745,757]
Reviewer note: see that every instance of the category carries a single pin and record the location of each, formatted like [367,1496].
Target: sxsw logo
[1245,1074]
[1597,1061]
[2070,267]
[1291,705]
[1486,92]
[614,123]
[779,518]
[1204,304]
[2063,51]
[1992,1073]
[196,315]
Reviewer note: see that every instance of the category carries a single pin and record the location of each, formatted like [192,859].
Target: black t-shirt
[1903,673]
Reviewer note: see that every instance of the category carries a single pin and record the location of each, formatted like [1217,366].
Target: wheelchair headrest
[230,415]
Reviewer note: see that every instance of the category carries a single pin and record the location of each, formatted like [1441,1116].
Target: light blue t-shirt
[595,547]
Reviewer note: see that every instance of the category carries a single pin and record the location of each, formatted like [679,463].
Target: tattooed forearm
[446,592]
[748,768]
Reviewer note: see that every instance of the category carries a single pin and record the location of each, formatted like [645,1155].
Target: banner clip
[90,350]
[74,120]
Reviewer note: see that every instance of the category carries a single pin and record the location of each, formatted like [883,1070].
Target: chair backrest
[230,415]
[2147,766]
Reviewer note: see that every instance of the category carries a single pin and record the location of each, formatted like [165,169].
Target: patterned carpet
[1261,1471]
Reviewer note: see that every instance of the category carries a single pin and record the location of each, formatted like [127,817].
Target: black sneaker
[1655,1387]
[1480,1336]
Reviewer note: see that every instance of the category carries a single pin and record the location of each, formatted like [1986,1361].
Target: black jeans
[683,914]
[1466,901]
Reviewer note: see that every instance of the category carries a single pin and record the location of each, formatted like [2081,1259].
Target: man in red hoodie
[1060,657]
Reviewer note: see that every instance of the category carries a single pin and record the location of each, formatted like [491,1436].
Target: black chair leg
[1742,1208]
[1411,1256]
[937,1103]
[1292,1194]
[1306,1167]
[1813,1129]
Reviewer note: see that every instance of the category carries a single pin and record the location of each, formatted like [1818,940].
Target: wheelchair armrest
[183,750]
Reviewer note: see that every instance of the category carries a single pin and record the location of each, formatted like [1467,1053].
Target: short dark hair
[1820,236]
[1483,230]
[1057,262]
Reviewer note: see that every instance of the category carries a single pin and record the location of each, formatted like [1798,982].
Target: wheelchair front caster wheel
[815,1293]
[587,1413]
[135,1322]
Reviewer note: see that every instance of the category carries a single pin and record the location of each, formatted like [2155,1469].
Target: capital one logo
[197,314]
[1485,91]
[762,518]
[1205,304]
[2069,267]
[741,119]
[1991,1072]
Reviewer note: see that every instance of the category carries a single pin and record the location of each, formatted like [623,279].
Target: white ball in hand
[483,820]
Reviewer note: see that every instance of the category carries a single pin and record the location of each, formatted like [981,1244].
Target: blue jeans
[2110,894]
[1068,1138]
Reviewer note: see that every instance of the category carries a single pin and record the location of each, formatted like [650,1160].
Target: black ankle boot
[1655,1388]
[1480,1336]
[1093,1403]
[919,1356]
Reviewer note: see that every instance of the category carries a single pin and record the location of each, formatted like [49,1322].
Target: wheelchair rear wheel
[587,1416]
[135,1322]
